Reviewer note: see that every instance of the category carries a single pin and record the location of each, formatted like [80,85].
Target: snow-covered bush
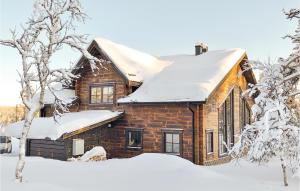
[275,130]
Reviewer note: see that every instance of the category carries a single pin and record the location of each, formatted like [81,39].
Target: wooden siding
[91,138]
[105,75]
[46,148]
[153,119]
[233,82]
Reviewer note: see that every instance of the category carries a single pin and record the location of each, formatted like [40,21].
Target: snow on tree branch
[275,131]
[51,28]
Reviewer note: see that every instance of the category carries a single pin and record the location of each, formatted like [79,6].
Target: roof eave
[90,127]
[158,102]
[95,44]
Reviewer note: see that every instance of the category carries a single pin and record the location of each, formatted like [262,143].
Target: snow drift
[147,171]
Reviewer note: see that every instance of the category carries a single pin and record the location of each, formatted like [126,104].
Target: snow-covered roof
[187,78]
[64,94]
[47,127]
[135,65]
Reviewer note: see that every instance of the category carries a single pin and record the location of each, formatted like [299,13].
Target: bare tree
[48,30]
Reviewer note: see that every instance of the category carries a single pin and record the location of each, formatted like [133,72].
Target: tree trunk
[283,166]
[21,162]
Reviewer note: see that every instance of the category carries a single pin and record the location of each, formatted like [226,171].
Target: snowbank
[187,78]
[146,172]
[97,152]
[47,127]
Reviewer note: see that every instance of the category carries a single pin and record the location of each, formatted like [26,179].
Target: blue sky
[162,27]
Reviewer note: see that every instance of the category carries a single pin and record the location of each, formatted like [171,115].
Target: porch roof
[68,124]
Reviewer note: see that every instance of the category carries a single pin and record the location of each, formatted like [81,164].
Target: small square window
[172,143]
[134,138]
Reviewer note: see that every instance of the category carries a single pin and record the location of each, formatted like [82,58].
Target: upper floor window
[102,94]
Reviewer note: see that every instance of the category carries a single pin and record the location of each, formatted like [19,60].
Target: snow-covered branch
[48,30]
[275,131]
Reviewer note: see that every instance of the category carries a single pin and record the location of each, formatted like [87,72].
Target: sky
[160,27]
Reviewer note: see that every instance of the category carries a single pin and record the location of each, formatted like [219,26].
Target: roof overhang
[90,127]
[65,126]
[83,60]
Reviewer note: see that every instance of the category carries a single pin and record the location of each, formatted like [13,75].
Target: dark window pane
[222,127]
[134,139]
[209,142]
[2,139]
[226,128]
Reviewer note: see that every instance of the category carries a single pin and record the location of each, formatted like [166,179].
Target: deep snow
[144,172]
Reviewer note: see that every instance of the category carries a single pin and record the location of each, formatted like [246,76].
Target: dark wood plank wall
[47,148]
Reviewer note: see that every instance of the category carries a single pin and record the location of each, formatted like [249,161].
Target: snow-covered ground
[144,172]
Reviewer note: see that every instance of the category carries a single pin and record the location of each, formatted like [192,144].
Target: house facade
[185,105]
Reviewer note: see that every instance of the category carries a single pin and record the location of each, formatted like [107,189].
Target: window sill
[134,148]
[223,155]
[176,154]
[101,104]
[210,154]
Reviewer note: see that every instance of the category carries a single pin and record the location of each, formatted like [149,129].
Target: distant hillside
[10,114]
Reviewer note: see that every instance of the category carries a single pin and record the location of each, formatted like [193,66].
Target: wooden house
[185,105]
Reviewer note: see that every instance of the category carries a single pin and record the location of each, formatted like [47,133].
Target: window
[209,142]
[226,125]
[134,138]
[172,143]
[108,94]
[245,113]
[101,94]
[43,112]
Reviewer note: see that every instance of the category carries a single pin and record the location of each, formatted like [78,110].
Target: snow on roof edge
[135,65]
[46,127]
[237,55]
